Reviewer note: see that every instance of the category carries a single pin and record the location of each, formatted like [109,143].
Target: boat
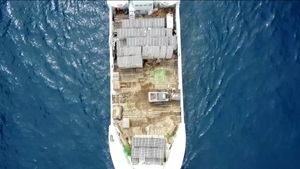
[147,129]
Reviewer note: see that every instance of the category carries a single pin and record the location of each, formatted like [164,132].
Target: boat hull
[177,151]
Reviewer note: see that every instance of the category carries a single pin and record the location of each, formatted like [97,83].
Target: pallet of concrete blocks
[143,24]
[131,32]
[152,41]
[122,33]
[119,49]
[163,51]
[145,52]
[130,62]
[137,41]
[125,23]
[143,31]
[136,50]
[141,41]
[138,23]
[149,41]
[135,32]
[128,32]
[162,22]
[174,42]
[156,51]
[121,43]
[118,44]
[157,32]
[148,32]
[139,51]
[132,50]
[138,32]
[151,53]
[158,22]
[125,51]
[130,41]
[144,41]
[119,52]
[131,23]
[160,41]
[153,32]
[146,23]
[135,61]
[154,23]
[125,32]
[135,23]
[162,32]
[171,41]
[151,22]
[164,41]
[169,53]
[169,32]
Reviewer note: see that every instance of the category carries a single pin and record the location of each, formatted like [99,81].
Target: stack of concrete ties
[159,32]
[163,51]
[130,61]
[151,52]
[158,22]
[172,41]
[144,23]
[144,39]
[135,23]
[131,50]
[136,41]
[169,32]
[120,45]
[125,23]
[169,53]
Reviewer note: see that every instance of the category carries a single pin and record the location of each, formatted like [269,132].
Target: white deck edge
[116,149]
[177,153]
[179,59]
[118,156]
[177,150]
[111,60]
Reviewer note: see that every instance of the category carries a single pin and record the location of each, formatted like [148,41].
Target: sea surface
[241,76]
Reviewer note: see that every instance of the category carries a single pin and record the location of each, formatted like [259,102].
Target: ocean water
[241,76]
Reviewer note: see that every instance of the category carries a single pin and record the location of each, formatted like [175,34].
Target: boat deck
[148,118]
[131,87]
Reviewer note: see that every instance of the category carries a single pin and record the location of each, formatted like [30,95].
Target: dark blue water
[241,71]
